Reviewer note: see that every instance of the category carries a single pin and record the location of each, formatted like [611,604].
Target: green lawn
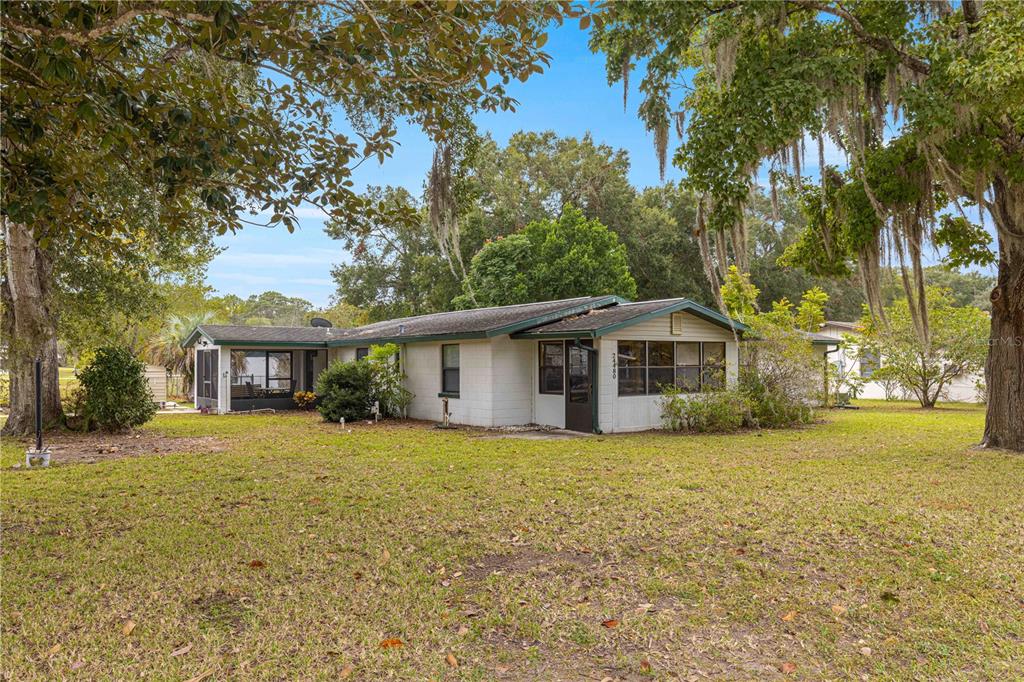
[878,545]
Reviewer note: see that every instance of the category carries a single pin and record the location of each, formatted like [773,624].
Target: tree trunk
[1004,369]
[30,328]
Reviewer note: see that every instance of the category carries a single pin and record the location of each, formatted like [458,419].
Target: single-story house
[963,388]
[591,364]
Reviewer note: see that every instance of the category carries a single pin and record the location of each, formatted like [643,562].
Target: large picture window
[450,370]
[552,367]
[647,367]
[260,369]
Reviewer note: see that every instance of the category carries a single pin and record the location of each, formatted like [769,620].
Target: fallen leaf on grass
[790,615]
[392,643]
[78,665]
[181,651]
[53,649]
[645,666]
[788,668]
[385,557]
[346,672]
[129,625]
[610,623]
[838,609]
[201,676]
[451,660]
[256,563]
[463,630]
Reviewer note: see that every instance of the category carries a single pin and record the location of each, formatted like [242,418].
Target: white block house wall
[499,358]
[962,389]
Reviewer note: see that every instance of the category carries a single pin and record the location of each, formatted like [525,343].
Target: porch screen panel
[714,364]
[660,366]
[214,365]
[632,359]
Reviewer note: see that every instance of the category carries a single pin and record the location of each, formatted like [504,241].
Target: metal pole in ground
[39,405]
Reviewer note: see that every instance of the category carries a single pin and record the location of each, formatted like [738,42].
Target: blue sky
[572,97]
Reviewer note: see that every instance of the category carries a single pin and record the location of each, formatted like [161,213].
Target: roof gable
[603,321]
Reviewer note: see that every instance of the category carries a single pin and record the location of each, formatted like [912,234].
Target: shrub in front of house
[304,400]
[770,406]
[712,411]
[388,378]
[114,392]
[344,390]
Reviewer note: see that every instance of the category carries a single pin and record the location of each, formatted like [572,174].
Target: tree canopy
[549,260]
[214,111]
[926,100]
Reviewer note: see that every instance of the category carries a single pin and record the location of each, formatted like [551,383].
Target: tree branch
[880,43]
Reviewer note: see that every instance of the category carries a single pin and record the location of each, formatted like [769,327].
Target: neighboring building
[591,364]
[156,377]
[963,388]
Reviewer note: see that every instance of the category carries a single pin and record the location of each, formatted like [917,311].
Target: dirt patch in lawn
[222,611]
[70,447]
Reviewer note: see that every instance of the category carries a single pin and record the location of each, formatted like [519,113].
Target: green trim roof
[603,321]
[583,317]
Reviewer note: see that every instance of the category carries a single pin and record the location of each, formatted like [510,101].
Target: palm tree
[165,348]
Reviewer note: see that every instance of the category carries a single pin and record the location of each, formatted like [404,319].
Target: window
[450,370]
[632,368]
[552,367]
[676,325]
[868,363]
[659,365]
[646,367]
[362,353]
[713,357]
[688,366]
[262,369]
[279,369]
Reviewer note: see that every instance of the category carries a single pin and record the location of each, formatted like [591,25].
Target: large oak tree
[947,82]
[218,109]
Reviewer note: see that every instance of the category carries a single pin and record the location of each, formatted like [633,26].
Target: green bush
[388,376]
[116,394]
[770,406]
[5,389]
[711,411]
[345,391]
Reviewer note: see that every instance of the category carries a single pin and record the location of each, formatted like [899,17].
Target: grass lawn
[877,545]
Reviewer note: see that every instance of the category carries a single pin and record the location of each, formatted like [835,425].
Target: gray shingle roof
[627,313]
[221,333]
[478,322]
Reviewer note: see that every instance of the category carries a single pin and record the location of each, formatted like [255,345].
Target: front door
[579,382]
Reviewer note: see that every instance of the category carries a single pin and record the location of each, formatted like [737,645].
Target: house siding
[961,389]
[642,412]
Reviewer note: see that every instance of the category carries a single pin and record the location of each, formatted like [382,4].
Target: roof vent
[320,322]
[401,329]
